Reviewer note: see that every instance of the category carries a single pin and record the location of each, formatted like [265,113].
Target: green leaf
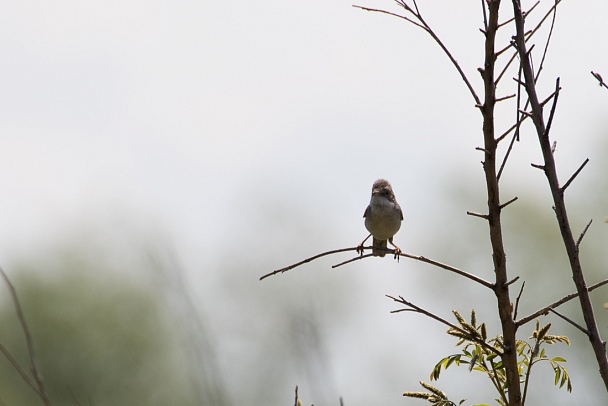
[558,359]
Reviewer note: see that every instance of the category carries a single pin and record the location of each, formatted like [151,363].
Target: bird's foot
[360,249]
[397,253]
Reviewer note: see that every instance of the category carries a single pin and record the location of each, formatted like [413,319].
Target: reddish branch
[557,192]
[501,287]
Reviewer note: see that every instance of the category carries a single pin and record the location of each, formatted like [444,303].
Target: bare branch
[287,268]
[557,303]
[472,213]
[578,326]
[433,316]
[502,206]
[391,14]
[550,121]
[526,13]
[40,389]
[599,79]
[505,98]
[512,281]
[422,24]
[542,61]
[354,259]
[517,300]
[388,251]
[450,268]
[574,175]
[580,238]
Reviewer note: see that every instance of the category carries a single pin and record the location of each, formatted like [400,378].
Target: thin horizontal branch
[391,14]
[537,166]
[472,213]
[355,258]
[556,304]
[297,264]
[505,98]
[388,251]
[450,268]
[433,316]
[574,175]
[578,326]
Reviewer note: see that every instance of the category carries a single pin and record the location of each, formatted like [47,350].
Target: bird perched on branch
[383,218]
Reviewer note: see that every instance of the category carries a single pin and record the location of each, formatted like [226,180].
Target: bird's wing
[400,211]
[369,208]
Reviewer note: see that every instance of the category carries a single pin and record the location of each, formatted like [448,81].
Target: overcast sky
[229,127]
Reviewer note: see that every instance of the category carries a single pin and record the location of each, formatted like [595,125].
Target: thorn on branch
[537,166]
[482,149]
[505,98]
[502,206]
[512,281]
[483,216]
[563,188]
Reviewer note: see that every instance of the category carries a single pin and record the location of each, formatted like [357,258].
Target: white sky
[232,126]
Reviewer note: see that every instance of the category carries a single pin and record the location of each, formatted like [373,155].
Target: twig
[40,389]
[422,24]
[563,188]
[354,259]
[433,316]
[599,79]
[542,61]
[502,206]
[391,14]
[389,251]
[21,371]
[556,304]
[551,115]
[580,238]
[578,326]
[287,268]
[472,213]
[521,291]
[450,268]
[512,281]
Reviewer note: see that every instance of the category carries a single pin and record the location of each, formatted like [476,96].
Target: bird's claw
[397,253]
[360,249]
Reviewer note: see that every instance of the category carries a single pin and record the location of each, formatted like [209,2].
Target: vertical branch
[501,289]
[558,196]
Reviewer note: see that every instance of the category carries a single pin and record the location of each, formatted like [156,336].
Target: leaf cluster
[485,355]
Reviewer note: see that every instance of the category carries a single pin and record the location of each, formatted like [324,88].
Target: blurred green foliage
[100,339]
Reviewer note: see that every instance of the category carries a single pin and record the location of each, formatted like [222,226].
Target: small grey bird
[383,218]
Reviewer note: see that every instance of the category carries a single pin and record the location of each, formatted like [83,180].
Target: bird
[383,218]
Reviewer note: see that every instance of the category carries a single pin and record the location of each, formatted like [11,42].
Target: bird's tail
[379,244]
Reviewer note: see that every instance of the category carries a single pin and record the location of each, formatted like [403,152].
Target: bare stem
[39,384]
